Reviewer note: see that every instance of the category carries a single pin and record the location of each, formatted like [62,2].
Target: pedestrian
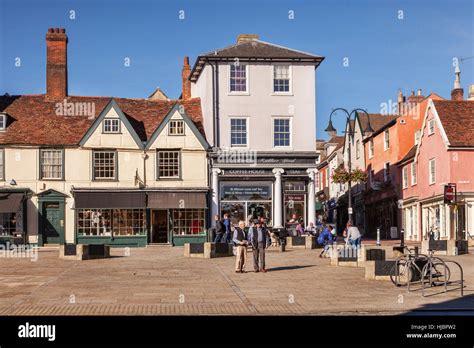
[227,232]
[258,239]
[311,229]
[353,235]
[241,244]
[220,229]
[325,239]
[300,228]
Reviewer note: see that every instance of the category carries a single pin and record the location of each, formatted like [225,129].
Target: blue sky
[385,53]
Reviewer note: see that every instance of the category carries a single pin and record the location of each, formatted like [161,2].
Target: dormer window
[176,127]
[3,122]
[111,125]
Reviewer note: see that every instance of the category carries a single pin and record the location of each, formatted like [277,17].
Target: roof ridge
[289,49]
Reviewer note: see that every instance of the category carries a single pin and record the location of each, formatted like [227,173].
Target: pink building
[444,154]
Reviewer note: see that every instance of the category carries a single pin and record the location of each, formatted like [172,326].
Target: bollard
[402,237]
[378,236]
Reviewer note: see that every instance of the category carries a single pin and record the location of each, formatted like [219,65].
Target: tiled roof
[457,118]
[33,119]
[253,49]
[377,121]
[410,154]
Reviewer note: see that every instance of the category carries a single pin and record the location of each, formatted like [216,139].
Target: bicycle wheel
[401,273]
[439,273]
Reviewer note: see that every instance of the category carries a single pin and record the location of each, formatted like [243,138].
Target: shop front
[13,215]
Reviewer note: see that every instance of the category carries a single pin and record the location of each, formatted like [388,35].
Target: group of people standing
[257,237]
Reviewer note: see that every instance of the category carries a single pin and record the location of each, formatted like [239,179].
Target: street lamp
[368,129]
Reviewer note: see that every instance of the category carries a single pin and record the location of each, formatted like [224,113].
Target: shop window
[188,221]
[105,222]
[7,224]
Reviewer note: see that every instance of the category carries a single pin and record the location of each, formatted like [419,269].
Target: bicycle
[414,267]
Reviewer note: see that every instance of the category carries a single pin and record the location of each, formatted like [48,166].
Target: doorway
[51,208]
[159,227]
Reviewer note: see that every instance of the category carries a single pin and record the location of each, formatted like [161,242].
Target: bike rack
[446,282]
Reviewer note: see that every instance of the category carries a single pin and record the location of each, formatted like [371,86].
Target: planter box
[207,250]
[378,269]
[83,251]
[303,242]
[449,247]
[345,256]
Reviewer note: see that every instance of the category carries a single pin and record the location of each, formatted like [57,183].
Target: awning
[109,200]
[177,200]
[10,202]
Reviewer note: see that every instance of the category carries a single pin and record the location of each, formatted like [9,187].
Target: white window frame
[357,145]
[290,125]
[431,126]
[417,137]
[386,139]
[105,178]
[326,177]
[414,179]
[176,121]
[247,84]
[2,164]
[371,148]
[174,177]
[405,177]
[290,83]
[41,171]
[246,118]
[111,131]
[432,163]
[3,122]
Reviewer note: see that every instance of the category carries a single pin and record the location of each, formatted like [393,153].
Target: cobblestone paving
[160,281]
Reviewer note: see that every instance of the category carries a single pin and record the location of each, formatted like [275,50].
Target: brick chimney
[186,86]
[56,66]
[457,93]
[246,37]
[471,92]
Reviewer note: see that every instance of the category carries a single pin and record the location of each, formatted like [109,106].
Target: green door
[53,222]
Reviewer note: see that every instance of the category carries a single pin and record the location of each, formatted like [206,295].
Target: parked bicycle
[411,267]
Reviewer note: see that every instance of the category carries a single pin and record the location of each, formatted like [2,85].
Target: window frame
[3,122]
[431,122]
[201,213]
[371,148]
[290,126]
[176,134]
[2,164]
[246,118]
[386,139]
[357,146]
[116,176]
[413,174]
[157,163]
[229,84]
[290,80]
[119,125]
[405,177]
[63,162]
[431,162]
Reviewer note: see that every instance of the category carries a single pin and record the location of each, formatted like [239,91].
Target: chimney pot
[50,30]
[419,91]
[246,37]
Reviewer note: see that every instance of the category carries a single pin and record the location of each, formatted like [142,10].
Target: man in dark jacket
[258,238]
[220,229]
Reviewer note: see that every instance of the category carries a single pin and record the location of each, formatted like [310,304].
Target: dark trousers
[259,255]
[226,237]
[218,238]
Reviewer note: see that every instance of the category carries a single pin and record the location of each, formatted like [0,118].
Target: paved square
[160,281]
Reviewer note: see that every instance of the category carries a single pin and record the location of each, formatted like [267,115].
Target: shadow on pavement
[457,306]
[285,268]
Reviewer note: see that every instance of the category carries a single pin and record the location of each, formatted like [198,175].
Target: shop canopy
[110,200]
[10,202]
[177,200]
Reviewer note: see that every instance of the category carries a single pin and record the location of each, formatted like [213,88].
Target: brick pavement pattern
[160,281]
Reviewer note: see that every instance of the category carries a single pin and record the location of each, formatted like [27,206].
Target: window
[432,169]
[371,148]
[326,178]
[413,173]
[386,140]
[111,125]
[431,126]
[176,127]
[188,221]
[281,132]
[51,164]
[2,164]
[3,121]
[238,78]
[405,177]
[295,186]
[8,223]
[168,164]
[238,132]
[281,78]
[417,137]
[357,149]
[104,165]
[386,172]
[105,222]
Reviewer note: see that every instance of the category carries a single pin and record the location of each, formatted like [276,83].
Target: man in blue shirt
[258,238]
[227,233]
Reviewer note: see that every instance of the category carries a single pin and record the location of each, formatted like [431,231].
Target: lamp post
[351,133]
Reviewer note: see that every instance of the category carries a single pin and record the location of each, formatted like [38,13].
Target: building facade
[101,170]
[259,109]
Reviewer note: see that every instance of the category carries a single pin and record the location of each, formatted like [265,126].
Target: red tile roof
[457,118]
[33,119]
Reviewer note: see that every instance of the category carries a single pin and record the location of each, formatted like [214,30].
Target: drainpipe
[145,157]
[213,104]
[217,142]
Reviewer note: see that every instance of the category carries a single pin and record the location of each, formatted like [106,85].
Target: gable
[191,139]
[97,137]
